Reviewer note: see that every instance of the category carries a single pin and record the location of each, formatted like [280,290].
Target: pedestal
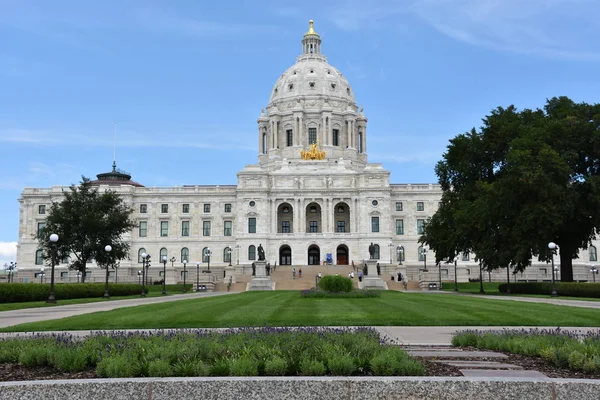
[429,280]
[229,275]
[170,278]
[372,281]
[261,281]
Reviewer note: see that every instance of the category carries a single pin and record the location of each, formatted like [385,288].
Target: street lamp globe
[552,246]
[108,248]
[164,258]
[184,261]
[54,238]
[143,255]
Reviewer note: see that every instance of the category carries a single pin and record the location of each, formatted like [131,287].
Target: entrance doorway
[342,255]
[285,255]
[314,255]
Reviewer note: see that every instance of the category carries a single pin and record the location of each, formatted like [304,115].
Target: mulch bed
[16,372]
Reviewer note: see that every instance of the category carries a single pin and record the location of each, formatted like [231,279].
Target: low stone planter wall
[305,388]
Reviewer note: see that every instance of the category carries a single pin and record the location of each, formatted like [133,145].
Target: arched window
[252,252]
[227,255]
[205,254]
[400,253]
[140,251]
[185,254]
[360,142]
[264,143]
[593,253]
[420,251]
[39,257]
[376,256]
[163,253]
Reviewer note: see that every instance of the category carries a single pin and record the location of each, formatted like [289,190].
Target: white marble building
[301,202]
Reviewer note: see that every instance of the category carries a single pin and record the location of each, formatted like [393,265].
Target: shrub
[276,366]
[341,365]
[117,366]
[337,283]
[393,361]
[70,360]
[310,367]
[573,289]
[158,368]
[244,366]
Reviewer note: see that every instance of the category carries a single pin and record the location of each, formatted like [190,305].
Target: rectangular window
[143,208]
[164,228]
[185,228]
[143,229]
[314,227]
[420,206]
[39,257]
[374,224]
[205,228]
[42,209]
[398,206]
[399,227]
[64,275]
[420,223]
[227,228]
[285,226]
[312,135]
[289,137]
[185,208]
[164,208]
[207,208]
[228,208]
[465,257]
[251,225]
[336,137]
[40,228]
[341,226]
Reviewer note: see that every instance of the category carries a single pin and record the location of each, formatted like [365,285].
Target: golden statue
[314,153]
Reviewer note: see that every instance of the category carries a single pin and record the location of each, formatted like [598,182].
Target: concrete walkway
[22,316]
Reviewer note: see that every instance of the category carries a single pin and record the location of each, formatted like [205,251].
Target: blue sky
[186,80]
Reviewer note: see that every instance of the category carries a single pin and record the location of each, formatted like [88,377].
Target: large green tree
[524,179]
[87,220]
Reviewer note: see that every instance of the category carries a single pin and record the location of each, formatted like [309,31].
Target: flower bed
[578,352]
[236,352]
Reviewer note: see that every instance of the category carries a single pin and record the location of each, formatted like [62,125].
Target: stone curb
[305,388]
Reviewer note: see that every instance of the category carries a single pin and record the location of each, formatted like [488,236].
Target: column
[348,142]
[274,216]
[323,132]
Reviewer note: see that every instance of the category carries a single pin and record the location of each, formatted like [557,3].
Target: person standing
[300,273]
[293,273]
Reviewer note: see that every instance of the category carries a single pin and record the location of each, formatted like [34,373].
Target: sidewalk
[15,317]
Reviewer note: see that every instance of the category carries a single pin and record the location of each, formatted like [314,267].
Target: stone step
[501,373]
[456,354]
[478,364]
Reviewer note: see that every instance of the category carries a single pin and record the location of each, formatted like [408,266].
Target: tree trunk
[82,276]
[566,266]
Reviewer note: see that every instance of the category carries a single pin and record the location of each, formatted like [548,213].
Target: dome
[311,76]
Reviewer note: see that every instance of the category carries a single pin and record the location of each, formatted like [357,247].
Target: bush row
[335,283]
[245,352]
[564,350]
[23,292]
[574,289]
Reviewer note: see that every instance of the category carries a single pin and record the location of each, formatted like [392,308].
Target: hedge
[22,292]
[573,289]
[337,283]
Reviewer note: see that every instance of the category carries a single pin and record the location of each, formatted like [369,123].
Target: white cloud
[8,252]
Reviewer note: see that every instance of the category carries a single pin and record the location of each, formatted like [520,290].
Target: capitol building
[311,198]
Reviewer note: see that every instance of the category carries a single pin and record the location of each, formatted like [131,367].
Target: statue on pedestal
[371,251]
[261,253]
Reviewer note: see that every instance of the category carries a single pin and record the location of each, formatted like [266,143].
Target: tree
[526,178]
[86,221]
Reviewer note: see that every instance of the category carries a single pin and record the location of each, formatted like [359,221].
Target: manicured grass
[491,288]
[288,308]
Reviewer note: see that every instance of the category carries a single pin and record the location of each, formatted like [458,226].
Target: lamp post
[229,251]
[139,277]
[53,240]
[508,279]
[399,254]
[197,275]
[117,266]
[207,254]
[42,274]
[78,275]
[424,253]
[391,245]
[481,277]
[440,275]
[164,261]
[11,268]
[237,247]
[455,276]
[553,247]
[184,274]
[108,249]
[594,271]
[145,262]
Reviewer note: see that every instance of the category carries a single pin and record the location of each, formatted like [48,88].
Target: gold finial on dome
[315,153]
[311,29]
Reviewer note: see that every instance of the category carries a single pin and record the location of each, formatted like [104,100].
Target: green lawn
[287,308]
[491,288]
